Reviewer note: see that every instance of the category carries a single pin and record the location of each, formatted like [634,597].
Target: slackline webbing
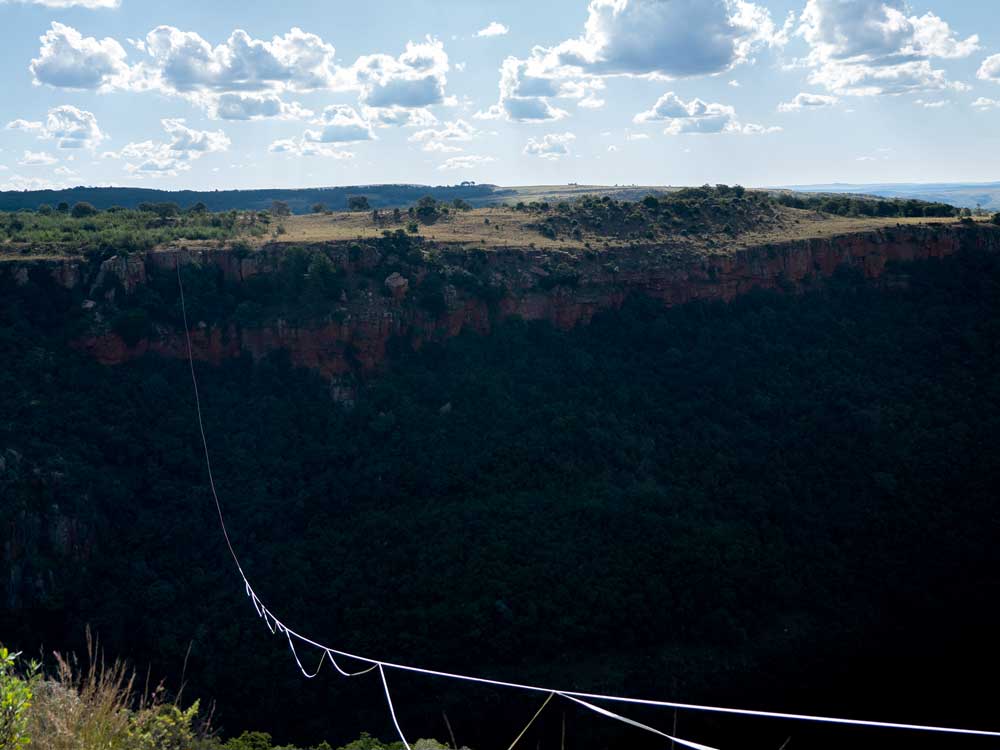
[275,626]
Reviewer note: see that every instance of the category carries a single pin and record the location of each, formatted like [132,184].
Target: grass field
[499,227]
[493,228]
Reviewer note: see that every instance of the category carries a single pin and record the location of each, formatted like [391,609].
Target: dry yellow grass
[505,228]
[809,224]
[499,227]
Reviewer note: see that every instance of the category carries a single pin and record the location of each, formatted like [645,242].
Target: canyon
[478,288]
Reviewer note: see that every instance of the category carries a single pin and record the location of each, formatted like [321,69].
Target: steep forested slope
[783,502]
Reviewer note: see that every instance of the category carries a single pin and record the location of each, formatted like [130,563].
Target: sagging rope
[275,625]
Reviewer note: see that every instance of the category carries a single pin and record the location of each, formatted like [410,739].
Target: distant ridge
[299,200]
[961,194]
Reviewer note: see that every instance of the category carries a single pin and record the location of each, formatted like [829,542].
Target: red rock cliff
[564,288]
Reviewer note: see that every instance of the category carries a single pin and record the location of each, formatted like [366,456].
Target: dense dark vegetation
[84,229]
[856,205]
[708,210]
[783,502]
[299,201]
[722,208]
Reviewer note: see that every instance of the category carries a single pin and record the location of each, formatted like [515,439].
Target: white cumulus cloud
[415,79]
[67,59]
[990,69]
[697,117]
[151,158]
[28,126]
[443,139]
[808,101]
[873,47]
[527,91]
[37,159]
[243,77]
[552,146]
[180,61]
[494,28]
[73,127]
[20,182]
[185,139]
[302,147]
[640,38]
[675,39]
[168,158]
[397,116]
[340,123]
[465,162]
[234,106]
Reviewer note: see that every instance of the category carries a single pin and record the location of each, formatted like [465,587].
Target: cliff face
[565,289]
[37,541]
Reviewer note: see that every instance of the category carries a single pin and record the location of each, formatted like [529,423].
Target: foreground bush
[16,693]
[262,741]
[98,707]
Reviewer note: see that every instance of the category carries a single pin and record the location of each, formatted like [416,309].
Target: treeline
[853,205]
[81,228]
[704,210]
[299,201]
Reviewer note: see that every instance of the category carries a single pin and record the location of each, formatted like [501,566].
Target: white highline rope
[392,711]
[633,722]
[302,669]
[274,625]
[351,674]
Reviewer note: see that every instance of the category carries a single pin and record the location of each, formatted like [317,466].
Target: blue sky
[226,94]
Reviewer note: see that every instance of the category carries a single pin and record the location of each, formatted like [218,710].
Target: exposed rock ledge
[528,284]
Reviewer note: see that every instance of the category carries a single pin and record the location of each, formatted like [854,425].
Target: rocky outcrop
[565,288]
[127,271]
[397,285]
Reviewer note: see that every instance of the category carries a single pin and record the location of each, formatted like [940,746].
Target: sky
[222,94]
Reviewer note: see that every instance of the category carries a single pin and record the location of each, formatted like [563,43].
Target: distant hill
[300,201]
[964,195]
